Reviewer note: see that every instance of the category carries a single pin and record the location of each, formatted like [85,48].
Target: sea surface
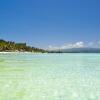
[70,76]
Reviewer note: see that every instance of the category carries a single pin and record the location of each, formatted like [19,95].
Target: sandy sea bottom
[27,76]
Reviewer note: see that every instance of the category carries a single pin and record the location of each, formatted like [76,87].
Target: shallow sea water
[27,76]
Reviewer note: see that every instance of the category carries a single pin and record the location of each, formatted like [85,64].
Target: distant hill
[77,50]
[10,46]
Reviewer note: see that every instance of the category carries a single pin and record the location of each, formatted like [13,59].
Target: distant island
[9,46]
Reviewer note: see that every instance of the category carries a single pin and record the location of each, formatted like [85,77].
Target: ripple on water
[49,77]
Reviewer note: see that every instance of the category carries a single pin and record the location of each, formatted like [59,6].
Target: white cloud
[73,45]
[79,44]
[68,46]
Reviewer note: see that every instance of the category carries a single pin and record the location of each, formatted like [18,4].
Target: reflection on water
[49,76]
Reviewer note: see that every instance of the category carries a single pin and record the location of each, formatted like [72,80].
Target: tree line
[10,46]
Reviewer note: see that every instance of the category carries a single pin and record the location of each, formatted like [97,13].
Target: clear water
[27,76]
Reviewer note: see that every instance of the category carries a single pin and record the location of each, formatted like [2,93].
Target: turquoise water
[27,76]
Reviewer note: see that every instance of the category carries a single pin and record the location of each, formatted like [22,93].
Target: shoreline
[4,52]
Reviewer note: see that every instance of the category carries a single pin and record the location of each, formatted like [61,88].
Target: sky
[51,23]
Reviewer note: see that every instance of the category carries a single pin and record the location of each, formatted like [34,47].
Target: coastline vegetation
[9,46]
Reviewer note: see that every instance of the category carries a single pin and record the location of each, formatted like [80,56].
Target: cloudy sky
[76,45]
[51,23]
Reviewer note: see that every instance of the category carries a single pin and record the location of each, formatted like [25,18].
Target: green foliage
[12,46]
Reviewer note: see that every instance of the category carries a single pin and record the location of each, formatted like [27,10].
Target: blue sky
[44,23]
